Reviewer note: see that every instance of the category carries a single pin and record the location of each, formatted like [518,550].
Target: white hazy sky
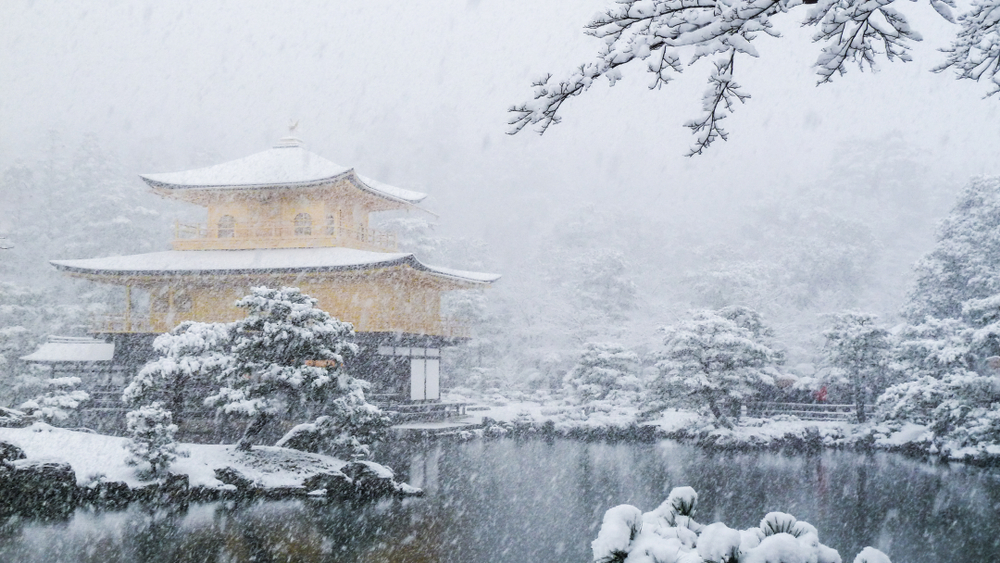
[415,94]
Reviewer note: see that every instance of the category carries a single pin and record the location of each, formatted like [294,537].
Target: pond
[542,501]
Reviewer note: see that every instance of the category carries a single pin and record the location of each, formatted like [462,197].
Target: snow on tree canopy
[605,370]
[720,357]
[58,400]
[285,350]
[965,262]
[857,348]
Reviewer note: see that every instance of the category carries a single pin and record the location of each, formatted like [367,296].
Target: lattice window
[303,225]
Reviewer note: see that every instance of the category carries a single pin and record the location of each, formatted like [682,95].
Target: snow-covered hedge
[669,534]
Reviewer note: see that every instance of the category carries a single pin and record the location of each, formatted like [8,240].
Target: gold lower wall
[384,300]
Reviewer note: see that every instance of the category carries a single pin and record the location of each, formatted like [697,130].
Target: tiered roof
[286,165]
[258,261]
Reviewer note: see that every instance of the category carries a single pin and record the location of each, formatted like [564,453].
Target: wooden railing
[454,328]
[805,411]
[279,235]
[112,324]
[121,323]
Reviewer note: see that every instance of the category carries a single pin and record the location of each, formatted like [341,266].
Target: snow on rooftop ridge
[72,349]
[286,164]
[258,261]
[408,195]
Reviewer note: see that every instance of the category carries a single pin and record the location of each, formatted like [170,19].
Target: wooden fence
[805,411]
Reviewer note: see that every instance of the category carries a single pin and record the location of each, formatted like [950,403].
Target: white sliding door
[433,378]
[418,371]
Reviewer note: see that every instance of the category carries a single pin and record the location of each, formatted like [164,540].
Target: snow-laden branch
[975,53]
[659,32]
[854,31]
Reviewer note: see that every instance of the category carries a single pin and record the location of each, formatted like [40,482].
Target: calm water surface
[542,501]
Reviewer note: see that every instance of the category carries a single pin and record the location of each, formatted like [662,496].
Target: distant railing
[446,326]
[279,235]
[454,328]
[805,411]
[126,324]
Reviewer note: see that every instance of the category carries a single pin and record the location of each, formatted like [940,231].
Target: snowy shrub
[151,438]
[720,358]
[670,535]
[58,401]
[347,431]
[961,408]
[604,371]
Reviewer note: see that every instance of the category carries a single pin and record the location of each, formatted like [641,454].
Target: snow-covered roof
[264,261]
[287,164]
[72,349]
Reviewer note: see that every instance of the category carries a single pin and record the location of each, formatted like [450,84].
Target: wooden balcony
[454,328]
[114,324]
[140,324]
[280,235]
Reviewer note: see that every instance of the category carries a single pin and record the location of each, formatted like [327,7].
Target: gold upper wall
[335,214]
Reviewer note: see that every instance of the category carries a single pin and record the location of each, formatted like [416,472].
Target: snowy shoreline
[97,462]
[526,418]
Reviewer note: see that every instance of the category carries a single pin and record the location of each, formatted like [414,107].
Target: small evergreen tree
[720,358]
[60,398]
[858,349]
[605,370]
[151,438]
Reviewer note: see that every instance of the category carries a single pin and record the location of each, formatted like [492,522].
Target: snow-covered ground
[98,457]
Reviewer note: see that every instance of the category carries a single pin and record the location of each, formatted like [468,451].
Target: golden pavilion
[289,217]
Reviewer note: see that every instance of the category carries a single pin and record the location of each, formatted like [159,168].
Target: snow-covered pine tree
[965,262]
[60,397]
[933,348]
[605,370]
[346,432]
[858,349]
[191,356]
[285,351]
[719,358]
[151,437]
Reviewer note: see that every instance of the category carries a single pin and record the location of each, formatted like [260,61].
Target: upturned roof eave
[349,175]
[407,260]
